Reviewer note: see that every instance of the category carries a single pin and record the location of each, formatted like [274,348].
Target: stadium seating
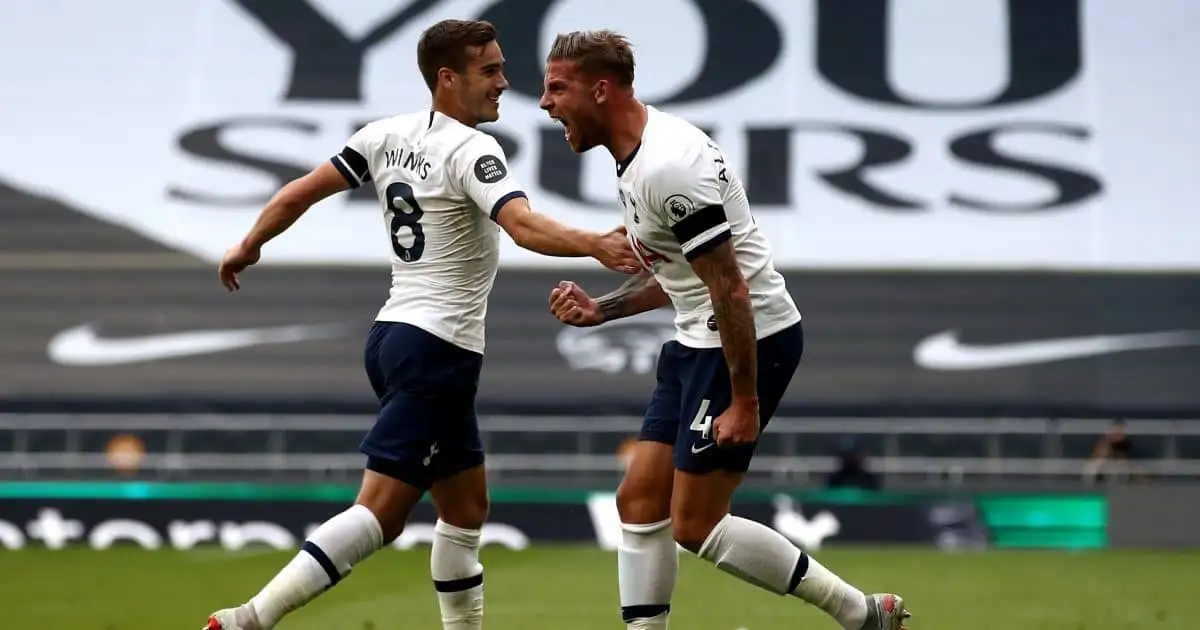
[578,450]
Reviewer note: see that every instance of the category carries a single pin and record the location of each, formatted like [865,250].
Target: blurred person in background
[852,469]
[1113,458]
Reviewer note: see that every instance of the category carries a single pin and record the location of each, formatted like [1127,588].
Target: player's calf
[324,559]
[328,554]
[457,576]
[462,504]
[647,558]
[647,566]
[762,556]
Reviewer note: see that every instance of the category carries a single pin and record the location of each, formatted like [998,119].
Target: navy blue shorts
[427,428]
[693,389]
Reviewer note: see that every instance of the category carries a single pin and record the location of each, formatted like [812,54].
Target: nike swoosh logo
[944,351]
[702,448]
[82,346]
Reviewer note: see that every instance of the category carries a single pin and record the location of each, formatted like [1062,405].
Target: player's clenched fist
[572,305]
[739,424]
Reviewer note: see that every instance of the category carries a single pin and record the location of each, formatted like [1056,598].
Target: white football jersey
[681,200]
[440,185]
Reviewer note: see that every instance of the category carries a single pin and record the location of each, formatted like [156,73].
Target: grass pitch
[574,588]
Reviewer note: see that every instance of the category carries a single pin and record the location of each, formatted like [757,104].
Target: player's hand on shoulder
[739,424]
[572,305]
[614,251]
[234,262]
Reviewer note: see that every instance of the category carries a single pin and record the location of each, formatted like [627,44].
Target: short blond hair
[597,52]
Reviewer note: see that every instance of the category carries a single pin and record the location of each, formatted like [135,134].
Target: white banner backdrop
[939,134]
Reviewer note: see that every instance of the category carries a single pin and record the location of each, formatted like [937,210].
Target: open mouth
[566,127]
[495,100]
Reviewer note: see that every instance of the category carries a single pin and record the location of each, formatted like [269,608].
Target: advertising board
[999,134]
[234,516]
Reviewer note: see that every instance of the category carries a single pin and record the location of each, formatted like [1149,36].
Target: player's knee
[390,500]
[461,498]
[391,518]
[701,503]
[640,503]
[468,512]
[691,530]
[644,495]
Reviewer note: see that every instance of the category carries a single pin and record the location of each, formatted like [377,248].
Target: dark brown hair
[601,52]
[446,45]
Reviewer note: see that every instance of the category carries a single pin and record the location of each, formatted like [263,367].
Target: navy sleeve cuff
[346,173]
[353,166]
[505,199]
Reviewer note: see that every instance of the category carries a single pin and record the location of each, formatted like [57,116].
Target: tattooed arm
[638,294]
[730,297]
[689,194]
[572,305]
[689,198]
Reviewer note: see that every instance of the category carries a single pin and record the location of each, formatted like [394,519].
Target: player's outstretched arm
[283,209]
[730,295]
[293,200]
[539,233]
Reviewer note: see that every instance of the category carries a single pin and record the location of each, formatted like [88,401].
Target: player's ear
[600,92]
[447,77]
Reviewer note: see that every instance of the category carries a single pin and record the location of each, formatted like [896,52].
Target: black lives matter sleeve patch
[490,169]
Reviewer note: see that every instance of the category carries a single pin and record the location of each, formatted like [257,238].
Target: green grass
[574,588]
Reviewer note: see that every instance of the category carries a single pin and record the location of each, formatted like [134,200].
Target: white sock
[762,556]
[325,558]
[825,590]
[647,565]
[457,576]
